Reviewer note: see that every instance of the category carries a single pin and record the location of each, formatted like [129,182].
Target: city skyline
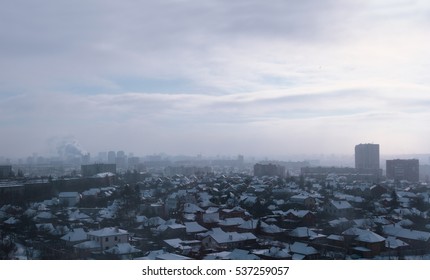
[215,77]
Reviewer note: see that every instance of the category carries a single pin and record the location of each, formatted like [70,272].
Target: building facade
[269,170]
[403,169]
[367,157]
[5,171]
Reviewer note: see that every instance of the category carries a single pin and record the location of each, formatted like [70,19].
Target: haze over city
[214,77]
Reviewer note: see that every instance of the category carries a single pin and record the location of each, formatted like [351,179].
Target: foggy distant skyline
[215,77]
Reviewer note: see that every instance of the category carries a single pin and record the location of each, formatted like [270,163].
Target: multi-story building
[403,169]
[367,157]
[5,171]
[269,170]
[367,160]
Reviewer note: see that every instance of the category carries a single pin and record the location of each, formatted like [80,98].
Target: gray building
[367,157]
[403,169]
[5,171]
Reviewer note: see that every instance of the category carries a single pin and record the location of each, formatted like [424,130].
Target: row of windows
[94,238]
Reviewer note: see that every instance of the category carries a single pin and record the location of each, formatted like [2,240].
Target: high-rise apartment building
[367,157]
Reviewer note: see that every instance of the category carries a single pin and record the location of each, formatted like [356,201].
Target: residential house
[69,198]
[338,208]
[218,239]
[303,200]
[108,237]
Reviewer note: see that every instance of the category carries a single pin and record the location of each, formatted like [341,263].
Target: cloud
[182,74]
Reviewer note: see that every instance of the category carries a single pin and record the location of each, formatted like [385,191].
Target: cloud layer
[215,77]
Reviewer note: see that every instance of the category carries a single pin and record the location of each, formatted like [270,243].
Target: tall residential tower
[367,160]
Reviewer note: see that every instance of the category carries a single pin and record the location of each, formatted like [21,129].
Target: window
[107,239]
[116,238]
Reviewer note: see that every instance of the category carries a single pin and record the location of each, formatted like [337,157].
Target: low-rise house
[122,251]
[69,199]
[302,251]
[415,238]
[218,239]
[75,236]
[193,228]
[372,241]
[273,253]
[339,208]
[304,200]
[183,247]
[108,237]
[304,217]
[304,234]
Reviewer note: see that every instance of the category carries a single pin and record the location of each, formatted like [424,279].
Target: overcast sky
[215,77]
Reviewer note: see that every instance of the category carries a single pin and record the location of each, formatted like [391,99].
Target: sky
[214,77]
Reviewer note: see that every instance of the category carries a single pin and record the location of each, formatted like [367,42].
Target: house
[372,241]
[230,224]
[69,198]
[415,238]
[183,247]
[304,217]
[338,208]
[192,228]
[302,251]
[304,233]
[75,236]
[303,200]
[273,253]
[122,251]
[108,237]
[218,239]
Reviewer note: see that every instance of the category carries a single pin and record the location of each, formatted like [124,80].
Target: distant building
[367,156]
[111,157]
[403,169]
[269,170]
[5,171]
[367,160]
[89,170]
[351,174]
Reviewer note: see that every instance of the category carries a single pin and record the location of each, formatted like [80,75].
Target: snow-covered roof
[239,254]
[368,236]
[302,249]
[12,221]
[272,229]
[273,252]
[192,208]
[303,232]
[108,231]
[355,231]
[222,237]
[231,221]
[194,227]
[341,204]
[77,234]
[394,243]
[400,232]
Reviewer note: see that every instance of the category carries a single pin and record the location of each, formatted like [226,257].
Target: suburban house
[304,200]
[69,198]
[218,239]
[338,208]
[108,237]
